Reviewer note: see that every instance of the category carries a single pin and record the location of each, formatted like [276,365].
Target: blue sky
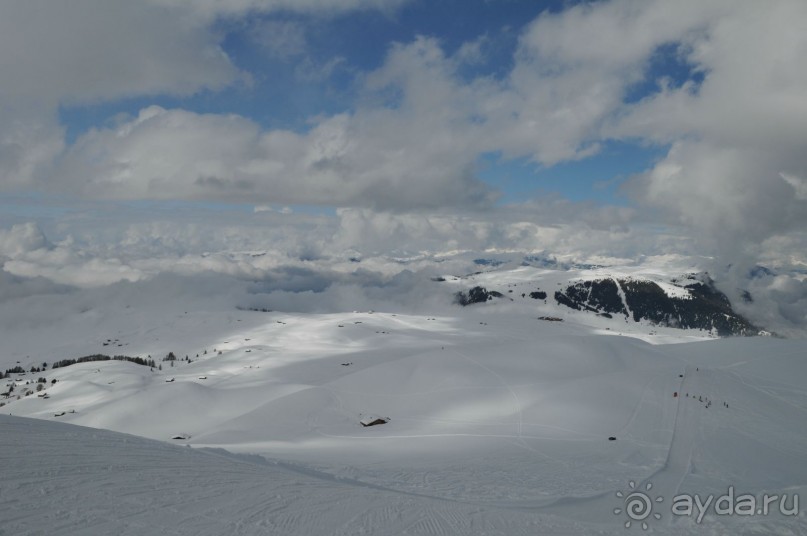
[597,178]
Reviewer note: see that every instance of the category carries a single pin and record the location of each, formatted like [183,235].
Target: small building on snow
[373,420]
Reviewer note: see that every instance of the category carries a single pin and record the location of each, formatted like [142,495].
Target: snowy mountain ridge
[691,301]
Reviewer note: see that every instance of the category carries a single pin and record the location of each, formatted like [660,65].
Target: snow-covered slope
[62,479]
[499,423]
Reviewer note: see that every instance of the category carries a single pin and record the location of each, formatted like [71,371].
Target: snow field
[499,424]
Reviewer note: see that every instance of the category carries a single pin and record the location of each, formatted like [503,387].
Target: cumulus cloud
[578,230]
[737,148]
[776,301]
[20,239]
[61,53]
[56,54]
[417,131]
[343,160]
[92,49]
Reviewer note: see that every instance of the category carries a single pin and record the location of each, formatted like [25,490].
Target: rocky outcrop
[699,306]
[476,295]
[597,296]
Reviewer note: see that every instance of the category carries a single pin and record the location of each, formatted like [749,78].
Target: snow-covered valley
[516,416]
[403,267]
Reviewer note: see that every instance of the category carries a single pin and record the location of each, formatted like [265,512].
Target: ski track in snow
[668,479]
[127,485]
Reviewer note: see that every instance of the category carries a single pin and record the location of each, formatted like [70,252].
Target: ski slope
[499,423]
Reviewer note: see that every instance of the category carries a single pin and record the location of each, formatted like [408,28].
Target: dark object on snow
[612,438]
[373,420]
[550,318]
[476,295]
[538,295]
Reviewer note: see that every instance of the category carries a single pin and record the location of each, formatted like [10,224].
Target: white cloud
[416,134]
[210,9]
[301,262]
[87,50]
[59,53]
[736,136]
[799,185]
[21,238]
[94,249]
[343,160]
[409,147]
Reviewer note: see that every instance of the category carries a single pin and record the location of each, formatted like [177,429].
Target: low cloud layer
[358,259]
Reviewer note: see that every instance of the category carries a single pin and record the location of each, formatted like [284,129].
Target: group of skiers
[705,400]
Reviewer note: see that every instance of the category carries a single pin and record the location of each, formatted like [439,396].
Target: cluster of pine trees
[102,357]
[13,370]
